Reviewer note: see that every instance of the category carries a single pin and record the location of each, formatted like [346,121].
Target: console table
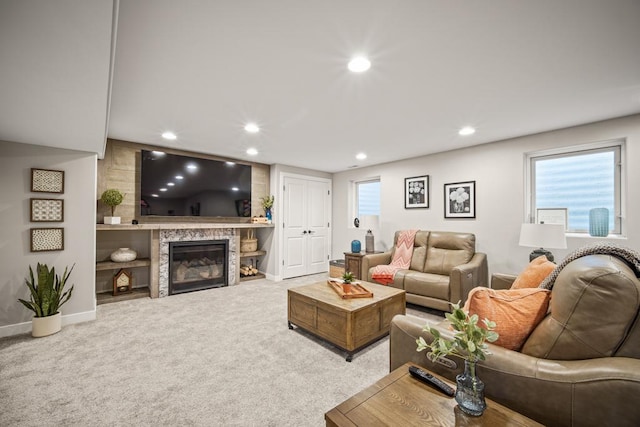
[400,399]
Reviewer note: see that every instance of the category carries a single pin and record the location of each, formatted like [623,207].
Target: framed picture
[47,181]
[47,239]
[416,192]
[552,216]
[460,200]
[47,210]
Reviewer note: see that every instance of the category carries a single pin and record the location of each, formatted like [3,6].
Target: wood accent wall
[119,170]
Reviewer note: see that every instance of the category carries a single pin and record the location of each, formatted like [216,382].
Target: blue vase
[356,247]
[267,213]
[599,222]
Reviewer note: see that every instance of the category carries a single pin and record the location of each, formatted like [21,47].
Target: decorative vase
[599,222]
[43,326]
[470,391]
[267,213]
[113,220]
[123,255]
[356,247]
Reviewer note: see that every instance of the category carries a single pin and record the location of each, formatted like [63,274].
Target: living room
[497,166]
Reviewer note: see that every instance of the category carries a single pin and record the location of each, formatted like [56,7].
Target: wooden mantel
[180,226]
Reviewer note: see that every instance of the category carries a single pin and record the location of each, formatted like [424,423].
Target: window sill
[589,237]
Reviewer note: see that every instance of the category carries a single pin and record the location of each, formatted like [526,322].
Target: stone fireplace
[194,254]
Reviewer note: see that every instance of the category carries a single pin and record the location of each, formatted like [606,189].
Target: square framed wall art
[47,210]
[47,239]
[460,200]
[47,181]
[416,192]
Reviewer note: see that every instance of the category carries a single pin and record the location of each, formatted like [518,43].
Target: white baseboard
[25,327]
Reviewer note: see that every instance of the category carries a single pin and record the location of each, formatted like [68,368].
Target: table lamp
[541,236]
[369,223]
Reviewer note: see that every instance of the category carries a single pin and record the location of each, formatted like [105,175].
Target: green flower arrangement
[267,202]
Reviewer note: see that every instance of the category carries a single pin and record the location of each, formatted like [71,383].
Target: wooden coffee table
[349,324]
[400,400]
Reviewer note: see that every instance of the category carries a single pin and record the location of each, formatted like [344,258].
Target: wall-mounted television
[176,185]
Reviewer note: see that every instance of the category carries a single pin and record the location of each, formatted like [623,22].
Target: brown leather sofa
[444,268]
[579,367]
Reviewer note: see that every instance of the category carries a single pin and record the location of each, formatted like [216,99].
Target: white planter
[112,220]
[43,326]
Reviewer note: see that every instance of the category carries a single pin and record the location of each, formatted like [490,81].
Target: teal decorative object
[599,222]
[356,247]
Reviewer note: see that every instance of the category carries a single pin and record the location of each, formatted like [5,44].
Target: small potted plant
[112,198]
[47,296]
[267,204]
[469,343]
[347,279]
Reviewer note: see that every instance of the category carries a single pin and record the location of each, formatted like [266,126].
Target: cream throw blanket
[401,258]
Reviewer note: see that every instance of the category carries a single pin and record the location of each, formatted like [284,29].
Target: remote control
[429,379]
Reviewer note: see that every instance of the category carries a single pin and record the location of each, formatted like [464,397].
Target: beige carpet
[220,357]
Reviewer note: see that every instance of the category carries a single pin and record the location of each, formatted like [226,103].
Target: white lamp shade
[369,222]
[543,236]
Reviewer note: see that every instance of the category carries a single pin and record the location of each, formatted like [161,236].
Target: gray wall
[498,169]
[16,161]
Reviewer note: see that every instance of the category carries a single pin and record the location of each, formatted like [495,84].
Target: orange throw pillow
[516,312]
[534,274]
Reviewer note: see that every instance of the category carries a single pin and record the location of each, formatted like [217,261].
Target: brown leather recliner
[444,268]
[579,367]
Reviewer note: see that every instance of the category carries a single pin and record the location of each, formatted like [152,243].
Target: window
[367,197]
[578,179]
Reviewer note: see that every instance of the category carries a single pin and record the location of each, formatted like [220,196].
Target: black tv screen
[175,185]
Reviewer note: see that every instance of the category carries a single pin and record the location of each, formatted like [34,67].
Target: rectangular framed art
[460,200]
[47,181]
[47,239]
[552,216]
[47,210]
[416,192]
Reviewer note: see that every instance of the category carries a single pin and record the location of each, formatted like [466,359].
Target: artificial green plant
[47,293]
[112,198]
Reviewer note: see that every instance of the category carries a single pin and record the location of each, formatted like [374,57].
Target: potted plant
[267,204]
[469,343]
[347,278]
[47,296]
[112,198]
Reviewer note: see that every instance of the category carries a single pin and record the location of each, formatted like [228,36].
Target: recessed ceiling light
[252,151]
[252,128]
[230,163]
[235,189]
[467,130]
[359,64]
[154,195]
[179,177]
[169,135]
[192,167]
[163,189]
[361,156]
[170,184]
[158,153]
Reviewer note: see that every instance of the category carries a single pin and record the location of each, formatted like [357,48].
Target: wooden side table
[353,262]
[400,399]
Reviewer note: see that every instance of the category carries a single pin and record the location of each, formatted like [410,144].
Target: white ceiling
[205,68]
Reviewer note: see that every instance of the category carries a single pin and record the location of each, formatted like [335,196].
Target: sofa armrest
[502,281]
[467,276]
[372,260]
[588,392]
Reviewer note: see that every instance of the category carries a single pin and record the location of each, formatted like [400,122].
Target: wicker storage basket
[248,245]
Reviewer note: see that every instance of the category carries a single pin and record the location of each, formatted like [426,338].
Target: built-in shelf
[107,297]
[110,265]
[254,277]
[250,254]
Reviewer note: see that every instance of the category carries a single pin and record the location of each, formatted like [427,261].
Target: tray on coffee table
[356,290]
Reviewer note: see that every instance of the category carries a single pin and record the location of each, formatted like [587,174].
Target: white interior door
[306,226]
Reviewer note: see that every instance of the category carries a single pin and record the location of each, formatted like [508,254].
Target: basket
[248,245]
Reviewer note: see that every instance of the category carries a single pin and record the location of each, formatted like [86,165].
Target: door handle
[311,232]
[304,232]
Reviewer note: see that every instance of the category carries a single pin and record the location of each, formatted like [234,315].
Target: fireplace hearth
[198,265]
